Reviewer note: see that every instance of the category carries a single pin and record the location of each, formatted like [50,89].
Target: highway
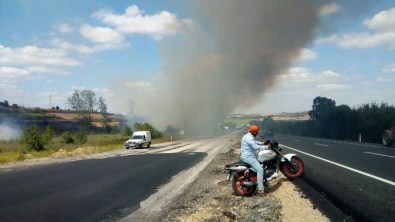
[125,185]
[358,178]
[104,187]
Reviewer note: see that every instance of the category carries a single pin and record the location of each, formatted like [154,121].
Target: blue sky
[120,49]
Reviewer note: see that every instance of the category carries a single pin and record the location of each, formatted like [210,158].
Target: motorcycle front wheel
[238,186]
[293,169]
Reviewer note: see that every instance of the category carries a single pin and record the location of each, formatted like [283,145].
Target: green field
[14,151]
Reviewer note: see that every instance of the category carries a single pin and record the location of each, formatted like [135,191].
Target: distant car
[389,137]
[139,139]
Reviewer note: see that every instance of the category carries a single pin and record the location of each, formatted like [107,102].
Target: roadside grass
[14,151]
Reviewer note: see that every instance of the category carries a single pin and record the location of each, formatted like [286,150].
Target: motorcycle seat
[237,164]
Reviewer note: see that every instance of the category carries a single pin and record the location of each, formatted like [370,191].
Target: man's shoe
[261,193]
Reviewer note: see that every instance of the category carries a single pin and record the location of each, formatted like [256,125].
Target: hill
[60,120]
[243,119]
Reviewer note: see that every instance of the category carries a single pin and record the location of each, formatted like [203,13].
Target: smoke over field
[9,129]
[229,58]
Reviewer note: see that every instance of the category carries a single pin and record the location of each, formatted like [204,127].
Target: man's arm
[257,145]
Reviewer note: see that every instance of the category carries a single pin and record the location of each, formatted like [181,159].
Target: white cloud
[361,40]
[329,73]
[329,9]
[383,33]
[33,55]
[138,85]
[11,74]
[307,55]
[66,46]
[390,68]
[101,35]
[383,21]
[86,50]
[386,79]
[297,74]
[134,21]
[333,86]
[42,69]
[7,73]
[64,28]
[302,75]
[106,93]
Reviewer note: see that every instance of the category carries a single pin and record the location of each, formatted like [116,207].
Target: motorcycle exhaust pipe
[249,183]
[274,176]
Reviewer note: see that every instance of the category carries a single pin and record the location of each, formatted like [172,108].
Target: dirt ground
[210,198]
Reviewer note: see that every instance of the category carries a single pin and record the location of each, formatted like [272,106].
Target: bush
[48,134]
[126,131]
[148,127]
[67,137]
[35,139]
[108,129]
[79,137]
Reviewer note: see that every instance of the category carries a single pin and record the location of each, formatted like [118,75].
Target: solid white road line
[345,167]
[378,154]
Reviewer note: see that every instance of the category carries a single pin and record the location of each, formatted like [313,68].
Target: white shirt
[249,146]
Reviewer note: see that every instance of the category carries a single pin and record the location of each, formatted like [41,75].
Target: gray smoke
[9,129]
[229,60]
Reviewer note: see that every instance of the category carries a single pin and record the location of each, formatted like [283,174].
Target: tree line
[327,120]
[85,103]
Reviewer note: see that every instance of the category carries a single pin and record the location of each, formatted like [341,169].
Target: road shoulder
[210,198]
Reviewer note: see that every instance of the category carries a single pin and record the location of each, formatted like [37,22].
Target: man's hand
[268,143]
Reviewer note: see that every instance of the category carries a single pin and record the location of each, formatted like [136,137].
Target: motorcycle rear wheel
[295,170]
[239,188]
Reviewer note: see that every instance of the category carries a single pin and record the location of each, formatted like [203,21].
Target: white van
[139,139]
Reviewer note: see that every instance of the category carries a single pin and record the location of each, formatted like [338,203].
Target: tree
[85,102]
[321,106]
[148,127]
[6,104]
[102,105]
[373,118]
[267,123]
[126,131]
[103,110]
[170,129]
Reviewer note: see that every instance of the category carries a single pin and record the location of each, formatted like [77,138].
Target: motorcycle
[244,177]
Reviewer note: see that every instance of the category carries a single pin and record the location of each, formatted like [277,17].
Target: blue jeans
[254,163]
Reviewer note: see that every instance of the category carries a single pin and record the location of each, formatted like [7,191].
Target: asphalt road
[87,190]
[105,187]
[358,178]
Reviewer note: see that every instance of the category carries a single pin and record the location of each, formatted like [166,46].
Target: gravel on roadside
[210,198]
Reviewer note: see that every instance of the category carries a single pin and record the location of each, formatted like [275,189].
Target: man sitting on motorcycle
[249,147]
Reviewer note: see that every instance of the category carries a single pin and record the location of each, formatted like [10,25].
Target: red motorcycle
[244,178]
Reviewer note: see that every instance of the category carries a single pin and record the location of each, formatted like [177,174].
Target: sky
[168,60]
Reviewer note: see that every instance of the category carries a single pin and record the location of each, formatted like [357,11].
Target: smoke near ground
[9,129]
[228,59]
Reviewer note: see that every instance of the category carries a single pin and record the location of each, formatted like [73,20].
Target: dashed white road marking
[320,144]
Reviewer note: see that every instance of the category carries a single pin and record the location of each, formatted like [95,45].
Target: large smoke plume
[233,54]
